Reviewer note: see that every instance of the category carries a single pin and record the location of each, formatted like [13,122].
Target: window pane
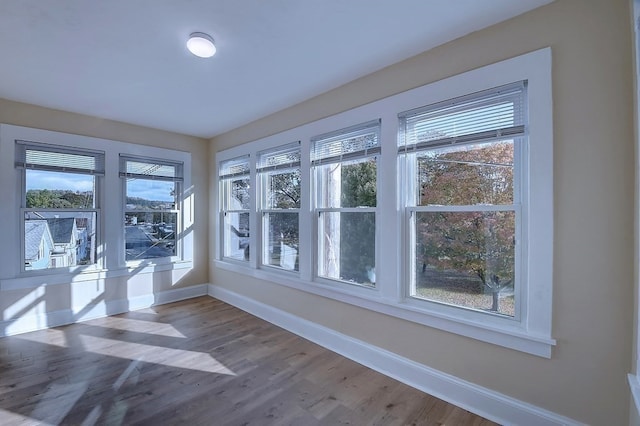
[281,240]
[347,247]
[348,184]
[237,194]
[145,194]
[150,234]
[236,235]
[466,175]
[59,190]
[466,259]
[283,190]
[55,239]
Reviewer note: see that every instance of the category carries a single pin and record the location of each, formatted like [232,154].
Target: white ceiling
[126,60]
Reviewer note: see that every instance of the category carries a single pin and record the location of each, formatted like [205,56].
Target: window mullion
[255,225]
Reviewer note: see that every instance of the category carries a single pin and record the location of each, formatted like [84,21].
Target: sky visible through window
[38,179]
[147,189]
[150,189]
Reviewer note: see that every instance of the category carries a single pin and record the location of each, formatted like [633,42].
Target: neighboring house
[65,235]
[38,245]
[82,239]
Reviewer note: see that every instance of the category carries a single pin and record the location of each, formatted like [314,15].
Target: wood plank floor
[198,362]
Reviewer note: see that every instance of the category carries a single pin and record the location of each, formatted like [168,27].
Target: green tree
[58,199]
[357,230]
[284,193]
[481,243]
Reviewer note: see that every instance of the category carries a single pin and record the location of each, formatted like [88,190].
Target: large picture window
[345,176]
[152,207]
[235,201]
[60,208]
[279,174]
[463,162]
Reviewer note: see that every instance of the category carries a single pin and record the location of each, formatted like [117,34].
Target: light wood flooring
[198,362]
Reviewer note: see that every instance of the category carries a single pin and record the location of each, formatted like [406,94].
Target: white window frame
[23,165]
[178,181]
[109,198]
[269,162]
[407,160]
[532,331]
[338,157]
[634,376]
[229,170]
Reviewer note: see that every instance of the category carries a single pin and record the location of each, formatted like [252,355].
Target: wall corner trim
[477,399]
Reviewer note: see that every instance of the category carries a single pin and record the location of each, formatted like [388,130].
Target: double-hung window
[345,186]
[235,202]
[279,173]
[464,177]
[60,215]
[153,193]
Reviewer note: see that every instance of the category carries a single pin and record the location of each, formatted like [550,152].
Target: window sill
[513,337]
[30,281]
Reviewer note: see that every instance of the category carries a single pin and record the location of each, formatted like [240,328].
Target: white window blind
[234,167]
[494,114]
[282,158]
[55,158]
[359,141]
[136,168]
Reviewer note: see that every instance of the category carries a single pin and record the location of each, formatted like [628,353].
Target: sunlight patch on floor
[58,400]
[178,358]
[138,326]
[13,418]
[49,336]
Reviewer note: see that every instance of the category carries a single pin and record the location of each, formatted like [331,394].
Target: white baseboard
[40,321]
[477,399]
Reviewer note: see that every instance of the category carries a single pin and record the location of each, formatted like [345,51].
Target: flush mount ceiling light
[201,45]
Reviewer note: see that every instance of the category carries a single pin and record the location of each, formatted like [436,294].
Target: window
[345,171]
[451,227]
[60,213]
[465,181]
[235,207]
[152,207]
[279,173]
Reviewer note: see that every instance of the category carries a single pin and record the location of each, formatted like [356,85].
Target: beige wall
[585,378]
[21,114]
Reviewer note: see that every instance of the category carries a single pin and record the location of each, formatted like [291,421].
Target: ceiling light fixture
[201,45]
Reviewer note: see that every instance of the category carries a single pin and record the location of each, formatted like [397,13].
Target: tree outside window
[465,183]
[345,170]
[279,171]
[467,258]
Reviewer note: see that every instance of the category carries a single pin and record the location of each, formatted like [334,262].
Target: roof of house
[34,232]
[61,229]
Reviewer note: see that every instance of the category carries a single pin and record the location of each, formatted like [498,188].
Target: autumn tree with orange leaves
[476,242]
